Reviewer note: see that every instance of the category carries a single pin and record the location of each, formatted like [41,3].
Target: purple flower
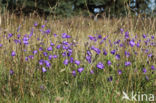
[31,56]
[100,65]
[119,72]
[41,62]
[43,26]
[110,78]
[58,46]
[138,44]
[88,58]
[127,63]
[1,45]
[35,24]
[64,35]
[132,43]
[144,36]
[92,38]
[55,35]
[25,40]
[152,67]
[104,52]
[50,48]
[89,53]
[109,63]
[99,36]
[35,52]
[150,55]
[52,44]
[13,53]
[96,50]
[127,54]
[11,72]
[65,62]
[45,54]
[113,52]
[127,35]
[80,69]
[55,56]
[10,35]
[18,36]
[40,49]
[77,62]
[74,73]
[117,56]
[47,31]
[121,30]
[48,64]
[71,59]
[50,57]
[64,54]
[152,37]
[44,69]
[91,71]
[26,58]
[144,70]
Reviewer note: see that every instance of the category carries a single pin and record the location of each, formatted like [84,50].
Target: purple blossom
[45,54]
[127,35]
[77,62]
[71,59]
[96,50]
[31,56]
[119,72]
[110,78]
[52,44]
[100,65]
[127,63]
[35,52]
[55,56]
[132,43]
[44,69]
[113,52]
[48,64]
[41,62]
[91,71]
[89,53]
[40,49]
[117,56]
[144,36]
[47,31]
[11,72]
[10,35]
[13,53]
[58,46]
[65,62]
[152,67]
[74,73]
[109,63]
[80,69]
[1,45]
[104,52]
[26,58]
[127,54]
[50,48]
[92,38]
[88,58]
[144,70]
[50,57]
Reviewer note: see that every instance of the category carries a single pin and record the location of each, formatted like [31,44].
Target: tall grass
[23,80]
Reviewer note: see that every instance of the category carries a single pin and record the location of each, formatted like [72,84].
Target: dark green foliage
[68,8]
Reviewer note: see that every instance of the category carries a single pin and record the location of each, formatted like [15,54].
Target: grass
[30,84]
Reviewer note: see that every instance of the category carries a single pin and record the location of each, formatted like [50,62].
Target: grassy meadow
[77,59]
